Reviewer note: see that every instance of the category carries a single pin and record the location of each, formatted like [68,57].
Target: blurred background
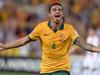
[19,17]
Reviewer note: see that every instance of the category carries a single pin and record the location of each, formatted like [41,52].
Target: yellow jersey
[55,46]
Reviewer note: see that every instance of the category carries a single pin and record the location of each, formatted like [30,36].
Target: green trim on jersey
[61,72]
[60,28]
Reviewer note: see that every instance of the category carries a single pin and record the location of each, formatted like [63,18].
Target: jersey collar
[60,28]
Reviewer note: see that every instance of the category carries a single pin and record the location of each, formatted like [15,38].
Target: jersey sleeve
[74,34]
[35,34]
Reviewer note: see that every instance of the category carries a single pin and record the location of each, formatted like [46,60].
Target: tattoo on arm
[78,41]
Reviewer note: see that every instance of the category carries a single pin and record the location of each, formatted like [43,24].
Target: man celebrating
[56,37]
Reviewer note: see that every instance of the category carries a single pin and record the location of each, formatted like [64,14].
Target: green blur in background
[16,73]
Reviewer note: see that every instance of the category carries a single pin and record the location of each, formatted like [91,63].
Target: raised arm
[86,46]
[17,43]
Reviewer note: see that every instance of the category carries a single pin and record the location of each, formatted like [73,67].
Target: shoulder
[42,24]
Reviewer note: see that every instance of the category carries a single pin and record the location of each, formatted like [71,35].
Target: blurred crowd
[19,17]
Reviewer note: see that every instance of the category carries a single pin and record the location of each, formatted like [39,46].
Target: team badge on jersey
[62,37]
[53,46]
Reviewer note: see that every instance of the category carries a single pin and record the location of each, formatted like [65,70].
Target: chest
[59,37]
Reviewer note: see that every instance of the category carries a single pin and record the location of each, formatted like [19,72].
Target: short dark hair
[55,4]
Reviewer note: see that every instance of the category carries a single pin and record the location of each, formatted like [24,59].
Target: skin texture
[15,44]
[86,46]
[56,14]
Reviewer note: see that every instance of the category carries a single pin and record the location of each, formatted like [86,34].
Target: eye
[54,9]
[60,9]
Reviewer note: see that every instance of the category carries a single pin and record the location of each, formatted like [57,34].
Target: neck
[55,25]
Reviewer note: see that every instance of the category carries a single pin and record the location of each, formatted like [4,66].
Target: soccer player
[56,38]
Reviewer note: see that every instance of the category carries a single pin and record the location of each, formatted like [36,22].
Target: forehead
[56,7]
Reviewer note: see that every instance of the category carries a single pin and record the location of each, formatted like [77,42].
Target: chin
[57,22]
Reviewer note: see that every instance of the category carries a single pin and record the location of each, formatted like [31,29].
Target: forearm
[86,46]
[16,44]
[95,49]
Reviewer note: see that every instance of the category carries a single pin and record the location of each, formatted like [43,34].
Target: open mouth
[57,16]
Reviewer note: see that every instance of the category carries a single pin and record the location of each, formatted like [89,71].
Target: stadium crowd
[19,17]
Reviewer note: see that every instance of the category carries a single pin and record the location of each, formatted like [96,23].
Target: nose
[57,11]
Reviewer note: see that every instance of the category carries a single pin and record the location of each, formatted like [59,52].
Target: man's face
[56,13]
